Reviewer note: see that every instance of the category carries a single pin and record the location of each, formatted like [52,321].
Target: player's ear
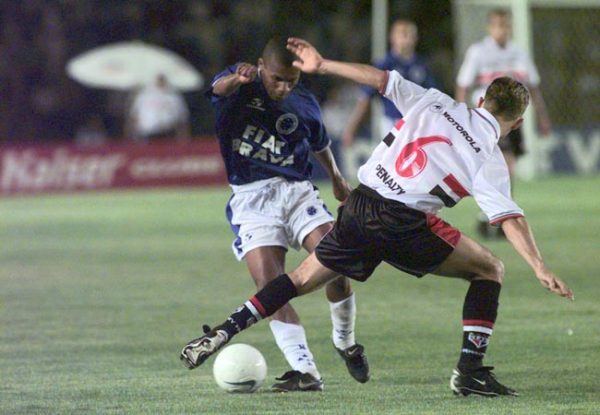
[517,124]
[480,103]
[261,63]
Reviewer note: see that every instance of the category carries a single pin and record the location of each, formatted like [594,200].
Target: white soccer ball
[240,368]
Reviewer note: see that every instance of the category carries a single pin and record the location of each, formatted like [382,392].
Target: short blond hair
[507,98]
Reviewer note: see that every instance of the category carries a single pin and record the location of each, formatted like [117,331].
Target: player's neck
[406,54]
[502,43]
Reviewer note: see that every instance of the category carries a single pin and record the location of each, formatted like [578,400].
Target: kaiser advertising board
[69,168]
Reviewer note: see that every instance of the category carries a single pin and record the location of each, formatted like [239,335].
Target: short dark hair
[507,98]
[276,50]
[403,22]
[498,13]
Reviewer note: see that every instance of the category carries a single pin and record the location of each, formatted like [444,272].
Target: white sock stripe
[479,329]
[253,310]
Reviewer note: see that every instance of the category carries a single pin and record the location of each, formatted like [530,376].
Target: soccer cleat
[480,381]
[356,362]
[295,381]
[198,350]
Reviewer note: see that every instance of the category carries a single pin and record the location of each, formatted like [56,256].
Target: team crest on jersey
[436,107]
[479,340]
[257,104]
[286,123]
[311,210]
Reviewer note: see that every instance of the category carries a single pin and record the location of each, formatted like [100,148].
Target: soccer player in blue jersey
[401,58]
[267,123]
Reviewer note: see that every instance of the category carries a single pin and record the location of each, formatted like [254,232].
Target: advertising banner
[68,168]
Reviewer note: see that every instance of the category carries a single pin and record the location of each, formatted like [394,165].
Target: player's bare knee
[301,282]
[495,270]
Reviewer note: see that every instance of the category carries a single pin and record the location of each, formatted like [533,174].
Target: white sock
[343,316]
[291,339]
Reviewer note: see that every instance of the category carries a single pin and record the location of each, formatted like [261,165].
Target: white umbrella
[127,65]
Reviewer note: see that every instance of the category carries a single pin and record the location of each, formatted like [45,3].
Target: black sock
[271,298]
[479,315]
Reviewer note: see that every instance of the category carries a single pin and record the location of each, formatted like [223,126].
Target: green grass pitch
[99,292]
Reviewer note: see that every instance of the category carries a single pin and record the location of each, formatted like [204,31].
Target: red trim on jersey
[258,306]
[482,323]
[456,187]
[486,120]
[384,83]
[399,124]
[442,229]
[503,218]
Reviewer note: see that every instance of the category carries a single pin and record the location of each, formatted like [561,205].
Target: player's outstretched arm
[519,234]
[341,188]
[244,74]
[310,61]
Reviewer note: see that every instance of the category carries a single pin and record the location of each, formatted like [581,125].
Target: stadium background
[98,290]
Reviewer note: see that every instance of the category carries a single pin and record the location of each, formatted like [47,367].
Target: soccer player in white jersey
[495,56]
[439,153]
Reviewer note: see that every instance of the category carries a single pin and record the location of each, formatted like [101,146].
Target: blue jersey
[415,70]
[261,138]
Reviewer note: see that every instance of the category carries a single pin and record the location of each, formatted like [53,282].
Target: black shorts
[513,143]
[370,229]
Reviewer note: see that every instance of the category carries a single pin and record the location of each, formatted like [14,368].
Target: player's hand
[309,59]
[554,284]
[246,73]
[341,188]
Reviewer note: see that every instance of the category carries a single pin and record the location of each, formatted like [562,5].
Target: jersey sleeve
[227,71]
[402,92]
[491,190]
[468,71]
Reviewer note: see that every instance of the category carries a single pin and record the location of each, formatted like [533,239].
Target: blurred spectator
[92,132]
[493,57]
[402,58]
[158,112]
[340,102]
[38,37]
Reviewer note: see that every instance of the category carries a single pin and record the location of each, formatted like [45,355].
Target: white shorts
[274,212]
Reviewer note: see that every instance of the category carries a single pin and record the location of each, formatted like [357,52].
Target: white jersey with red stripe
[440,152]
[487,60]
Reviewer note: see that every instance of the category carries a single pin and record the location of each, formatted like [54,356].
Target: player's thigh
[265,263]
[339,288]
[471,260]
[308,219]
[311,275]
[311,240]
